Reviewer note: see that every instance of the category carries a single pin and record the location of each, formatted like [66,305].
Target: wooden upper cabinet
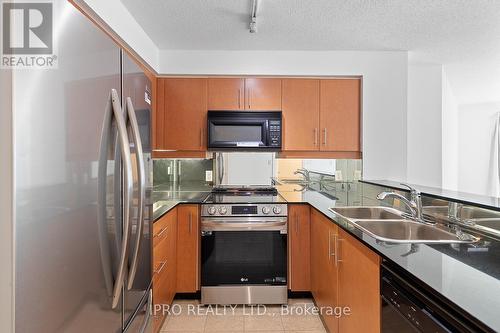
[340,115]
[359,281]
[299,268]
[262,94]
[300,102]
[188,248]
[226,93]
[183,103]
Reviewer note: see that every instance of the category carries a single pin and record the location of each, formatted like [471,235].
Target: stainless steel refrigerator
[82,185]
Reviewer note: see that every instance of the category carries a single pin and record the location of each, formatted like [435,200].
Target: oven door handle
[243,226]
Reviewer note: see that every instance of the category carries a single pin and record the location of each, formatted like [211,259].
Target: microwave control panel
[275,133]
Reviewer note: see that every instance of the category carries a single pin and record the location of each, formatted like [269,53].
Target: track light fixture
[253,17]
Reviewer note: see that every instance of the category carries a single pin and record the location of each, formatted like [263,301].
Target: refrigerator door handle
[148,315]
[129,110]
[127,196]
[102,198]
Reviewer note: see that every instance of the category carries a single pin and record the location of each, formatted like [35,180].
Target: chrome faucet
[454,209]
[303,172]
[414,204]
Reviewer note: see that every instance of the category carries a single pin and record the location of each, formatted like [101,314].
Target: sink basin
[409,231]
[362,213]
[389,225]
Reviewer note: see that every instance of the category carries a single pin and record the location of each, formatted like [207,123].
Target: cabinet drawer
[160,259]
[165,227]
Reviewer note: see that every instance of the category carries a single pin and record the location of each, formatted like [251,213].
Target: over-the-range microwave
[244,130]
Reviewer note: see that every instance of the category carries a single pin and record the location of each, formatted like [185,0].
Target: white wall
[476,127]
[424,124]
[6,202]
[119,19]
[449,136]
[384,90]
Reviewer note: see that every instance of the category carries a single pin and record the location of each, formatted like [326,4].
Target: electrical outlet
[208,175]
[169,171]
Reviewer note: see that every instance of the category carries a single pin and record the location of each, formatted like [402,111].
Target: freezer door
[62,282]
[136,103]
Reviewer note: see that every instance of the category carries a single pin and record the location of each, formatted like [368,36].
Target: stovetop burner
[245,194]
[246,190]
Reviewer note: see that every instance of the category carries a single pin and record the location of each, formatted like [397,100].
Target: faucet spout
[411,206]
[414,204]
[304,173]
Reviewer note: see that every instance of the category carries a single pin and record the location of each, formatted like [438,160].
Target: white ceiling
[440,31]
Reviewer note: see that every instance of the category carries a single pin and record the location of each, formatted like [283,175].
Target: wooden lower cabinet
[359,285]
[164,265]
[344,273]
[188,248]
[324,274]
[299,277]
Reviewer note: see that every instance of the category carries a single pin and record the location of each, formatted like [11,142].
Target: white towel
[495,159]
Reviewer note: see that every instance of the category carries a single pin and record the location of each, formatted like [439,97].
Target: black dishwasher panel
[408,307]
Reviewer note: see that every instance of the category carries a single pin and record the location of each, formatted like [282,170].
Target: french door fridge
[82,180]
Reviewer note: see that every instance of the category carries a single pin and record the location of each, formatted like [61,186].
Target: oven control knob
[211,210]
[266,210]
[276,209]
[222,210]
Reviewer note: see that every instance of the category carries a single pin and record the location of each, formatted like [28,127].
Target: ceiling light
[253,17]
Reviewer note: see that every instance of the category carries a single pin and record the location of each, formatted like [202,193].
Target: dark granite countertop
[466,275]
[440,193]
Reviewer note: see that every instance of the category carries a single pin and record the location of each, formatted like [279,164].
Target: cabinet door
[164,262]
[184,103]
[262,94]
[188,248]
[300,102]
[299,268]
[324,274]
[359,278]
[226,94]
[340,115]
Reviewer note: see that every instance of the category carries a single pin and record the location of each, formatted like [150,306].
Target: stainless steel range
[244,247]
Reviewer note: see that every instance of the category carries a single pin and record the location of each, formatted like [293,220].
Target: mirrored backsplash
[253,169]
[180,170]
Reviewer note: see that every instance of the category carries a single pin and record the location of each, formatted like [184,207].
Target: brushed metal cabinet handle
[249,94]
[296,223]
[239,98]
[162,231]
[315,136]
[162,265]
[329,244]
[201,137]
[190,222]
[324,136]
[337,257]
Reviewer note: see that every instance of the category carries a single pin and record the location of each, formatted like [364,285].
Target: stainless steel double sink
[390,225]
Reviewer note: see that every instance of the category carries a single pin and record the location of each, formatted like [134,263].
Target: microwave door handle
[102,174]
[223,167]
[129,109]
[127,196]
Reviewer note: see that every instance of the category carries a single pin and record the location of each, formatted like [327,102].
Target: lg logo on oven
[244,279]
[27,35]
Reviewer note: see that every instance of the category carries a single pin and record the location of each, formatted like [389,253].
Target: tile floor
[188,316]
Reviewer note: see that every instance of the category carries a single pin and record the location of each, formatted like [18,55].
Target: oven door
[243,251]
